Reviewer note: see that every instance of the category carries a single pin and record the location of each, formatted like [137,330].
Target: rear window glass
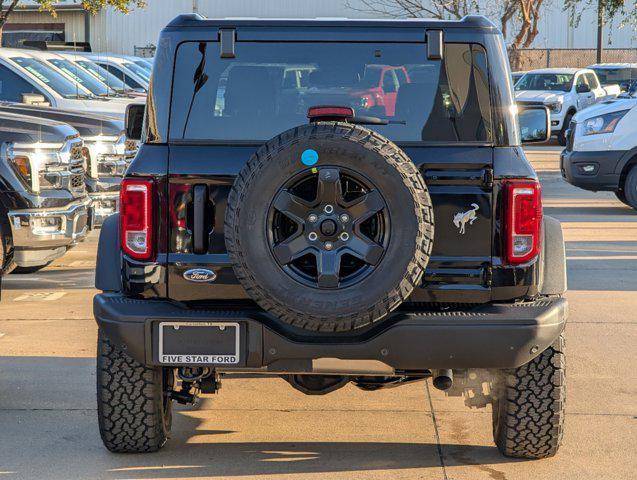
[268,87]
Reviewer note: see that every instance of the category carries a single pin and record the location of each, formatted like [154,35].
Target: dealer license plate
[199,343]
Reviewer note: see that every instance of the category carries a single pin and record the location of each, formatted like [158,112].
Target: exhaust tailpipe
[443,379]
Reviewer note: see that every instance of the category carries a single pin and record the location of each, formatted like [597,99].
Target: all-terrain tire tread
[531,423]
[129,402]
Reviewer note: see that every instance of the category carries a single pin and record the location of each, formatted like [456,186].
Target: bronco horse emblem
[460,219]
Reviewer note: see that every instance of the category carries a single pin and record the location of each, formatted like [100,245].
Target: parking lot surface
[262,428]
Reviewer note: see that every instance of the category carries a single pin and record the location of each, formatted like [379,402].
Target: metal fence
[531,58]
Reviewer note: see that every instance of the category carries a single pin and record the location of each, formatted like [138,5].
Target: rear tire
[630,188]
[134,412]
[529,406]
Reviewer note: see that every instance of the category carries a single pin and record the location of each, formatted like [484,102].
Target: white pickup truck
[565,91]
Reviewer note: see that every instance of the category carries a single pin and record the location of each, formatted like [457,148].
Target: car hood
[99,106]
[87,124]
[610,106]
[543,96]
[26,129]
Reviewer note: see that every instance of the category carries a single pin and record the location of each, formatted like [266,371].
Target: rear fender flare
[553,258]
[108,271]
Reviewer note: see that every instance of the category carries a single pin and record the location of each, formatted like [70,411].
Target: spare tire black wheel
[329,226]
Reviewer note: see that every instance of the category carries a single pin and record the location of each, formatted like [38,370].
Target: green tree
[607,11]
[7,7]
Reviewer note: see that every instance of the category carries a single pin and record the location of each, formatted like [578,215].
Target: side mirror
[582,88]
[135,120]
[35,99]
[535,124]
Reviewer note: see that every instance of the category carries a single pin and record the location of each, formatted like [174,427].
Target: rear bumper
[591,170]
[490,336]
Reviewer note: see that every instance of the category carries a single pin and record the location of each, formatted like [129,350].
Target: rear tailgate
[459,181]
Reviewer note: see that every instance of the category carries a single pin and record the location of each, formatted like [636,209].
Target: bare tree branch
[523,15]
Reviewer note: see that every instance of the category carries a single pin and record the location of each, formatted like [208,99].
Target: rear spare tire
[329,226]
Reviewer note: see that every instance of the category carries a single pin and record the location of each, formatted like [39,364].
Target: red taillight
[523,221]
[136,218]
[329,112]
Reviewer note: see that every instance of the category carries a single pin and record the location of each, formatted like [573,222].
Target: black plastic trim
[108,271]
[491,336]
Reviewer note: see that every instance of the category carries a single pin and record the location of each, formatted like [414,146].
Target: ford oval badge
[200,275]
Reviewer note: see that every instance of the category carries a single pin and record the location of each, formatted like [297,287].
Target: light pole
[600,29]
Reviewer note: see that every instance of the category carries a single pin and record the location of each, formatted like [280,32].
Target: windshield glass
[269,87]
[103,75]
[81,76]
[142,72]
[561,82]
[144,64]
[46,74]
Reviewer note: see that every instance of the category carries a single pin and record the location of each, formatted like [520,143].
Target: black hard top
[194,20]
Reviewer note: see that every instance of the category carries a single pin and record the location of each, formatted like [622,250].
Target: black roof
[191,20]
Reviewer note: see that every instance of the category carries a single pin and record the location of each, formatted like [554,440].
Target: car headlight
[602,123]
[36,164]
[555,107]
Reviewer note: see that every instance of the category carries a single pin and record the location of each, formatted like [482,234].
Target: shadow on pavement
[49,430]
[68,279]
[590,212]
[272,458]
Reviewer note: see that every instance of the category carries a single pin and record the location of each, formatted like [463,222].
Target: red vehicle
[381,84]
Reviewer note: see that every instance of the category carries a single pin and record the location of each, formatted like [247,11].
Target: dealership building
[115,32]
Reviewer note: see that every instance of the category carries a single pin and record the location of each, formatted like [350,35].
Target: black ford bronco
[291,213]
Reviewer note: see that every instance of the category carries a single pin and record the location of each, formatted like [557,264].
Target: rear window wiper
[368,120]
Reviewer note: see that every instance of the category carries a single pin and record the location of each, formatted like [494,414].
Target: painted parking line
[82,263]
[40,297]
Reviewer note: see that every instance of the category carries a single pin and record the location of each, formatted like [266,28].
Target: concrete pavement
[261,428]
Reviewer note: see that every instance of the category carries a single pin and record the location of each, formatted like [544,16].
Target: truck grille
[77,180]
[77,169]
[76,153]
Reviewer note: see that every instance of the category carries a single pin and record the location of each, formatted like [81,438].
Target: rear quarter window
[256,95]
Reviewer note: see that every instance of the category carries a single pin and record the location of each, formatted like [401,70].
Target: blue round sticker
[309,157]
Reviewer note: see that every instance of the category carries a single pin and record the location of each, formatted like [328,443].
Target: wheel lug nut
[312,236]
[344,218]
[328,245]
[313,218]
[344,236]
[328,209]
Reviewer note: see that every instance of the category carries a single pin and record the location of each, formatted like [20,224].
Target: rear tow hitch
[194,380]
